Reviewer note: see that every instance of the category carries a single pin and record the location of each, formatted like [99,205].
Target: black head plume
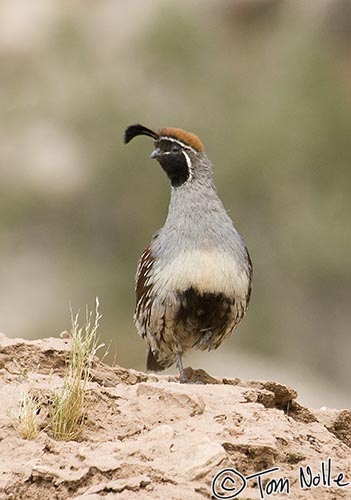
[134,130]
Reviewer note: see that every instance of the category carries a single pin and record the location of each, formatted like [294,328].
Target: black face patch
[173,161]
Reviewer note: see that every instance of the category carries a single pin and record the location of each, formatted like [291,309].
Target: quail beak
[155,154]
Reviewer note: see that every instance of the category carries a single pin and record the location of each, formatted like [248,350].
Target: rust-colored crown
[181,135]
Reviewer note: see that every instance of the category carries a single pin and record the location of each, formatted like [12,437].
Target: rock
[147,437]
[161,432]
[202,458]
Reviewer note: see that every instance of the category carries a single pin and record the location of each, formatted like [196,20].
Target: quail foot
[193,281]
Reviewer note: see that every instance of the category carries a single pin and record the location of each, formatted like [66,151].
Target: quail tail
[152,364]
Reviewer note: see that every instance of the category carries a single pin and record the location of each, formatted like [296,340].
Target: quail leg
[179,363]
[205,340]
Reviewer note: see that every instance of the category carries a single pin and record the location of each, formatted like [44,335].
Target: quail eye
[175,148]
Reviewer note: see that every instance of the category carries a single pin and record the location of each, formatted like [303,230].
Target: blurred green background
[265,84]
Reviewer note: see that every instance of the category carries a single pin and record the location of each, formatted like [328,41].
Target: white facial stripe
[172,139]
[188,162]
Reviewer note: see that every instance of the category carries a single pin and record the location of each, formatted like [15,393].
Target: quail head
[193,281]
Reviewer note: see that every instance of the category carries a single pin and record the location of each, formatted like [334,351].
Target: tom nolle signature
[230,483]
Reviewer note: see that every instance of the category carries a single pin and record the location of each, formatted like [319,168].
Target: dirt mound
[148,437]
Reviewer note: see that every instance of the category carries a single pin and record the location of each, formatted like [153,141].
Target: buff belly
[204,271]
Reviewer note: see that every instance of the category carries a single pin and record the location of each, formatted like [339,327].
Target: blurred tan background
[266,84]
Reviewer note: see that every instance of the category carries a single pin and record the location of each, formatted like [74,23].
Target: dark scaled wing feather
[143,290]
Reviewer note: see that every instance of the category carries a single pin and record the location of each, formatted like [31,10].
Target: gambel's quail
[193,281]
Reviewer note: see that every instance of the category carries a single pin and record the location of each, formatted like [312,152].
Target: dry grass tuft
[26,419]
[69,403]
